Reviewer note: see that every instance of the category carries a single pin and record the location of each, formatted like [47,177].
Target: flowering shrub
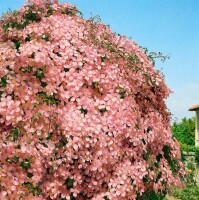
[82,110]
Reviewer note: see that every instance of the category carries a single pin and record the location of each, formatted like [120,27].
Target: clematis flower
[82,110]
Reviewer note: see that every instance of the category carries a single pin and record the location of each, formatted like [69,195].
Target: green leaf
[48,99]
[68,11]
[30,175]
[3,82]
[150,195]
[95,85]
[83,111]
[15,133]
[15,159]
[43,84]
[66,69]
[39,74]
[102,110]
[62,143]
[1,92]
[49,136]
[5,27]
[17,43]
[146,179]
[50,12]
[122,93]
[8,68]
[22,195]
[26,69]
[30,16]
[32,189]
[166,150]
[32,55]
[69,183]
[134,59]
[147,154]
[104,58]
[59,55]
[26,163]
[27,39]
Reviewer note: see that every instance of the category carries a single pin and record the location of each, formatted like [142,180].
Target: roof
[194,108]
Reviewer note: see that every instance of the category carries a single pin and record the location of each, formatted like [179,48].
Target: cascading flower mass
[82,110]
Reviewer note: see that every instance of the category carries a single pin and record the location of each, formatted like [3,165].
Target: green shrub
[188,193]
[184,131]
[190,149]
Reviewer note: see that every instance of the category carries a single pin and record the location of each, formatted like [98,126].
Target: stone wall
[191,162]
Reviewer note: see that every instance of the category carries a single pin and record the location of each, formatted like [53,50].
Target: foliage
[190,191]
[193,149]
[187,193]
[150,195]
[154,55]
[184,131]
[82,111]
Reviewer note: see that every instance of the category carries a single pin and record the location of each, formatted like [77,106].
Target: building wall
[197,129]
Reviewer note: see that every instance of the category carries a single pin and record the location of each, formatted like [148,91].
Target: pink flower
[82,110]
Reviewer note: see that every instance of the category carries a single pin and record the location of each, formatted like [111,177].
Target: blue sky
[168,26]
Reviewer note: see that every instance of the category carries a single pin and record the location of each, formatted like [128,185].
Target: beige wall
[197,129]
